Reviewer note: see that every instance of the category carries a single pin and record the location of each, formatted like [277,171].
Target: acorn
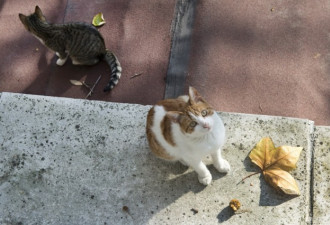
[234,204]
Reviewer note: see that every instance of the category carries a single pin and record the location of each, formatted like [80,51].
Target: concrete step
[70,161]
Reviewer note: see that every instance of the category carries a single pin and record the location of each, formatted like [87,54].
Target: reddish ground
[266,57]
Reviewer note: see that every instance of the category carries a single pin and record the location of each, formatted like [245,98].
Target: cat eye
[204,113]
[193,124]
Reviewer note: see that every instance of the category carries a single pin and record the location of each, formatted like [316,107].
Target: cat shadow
[1,5]
[71,72]
[269,196]
[54,80]
[43,78]
[177,168]
[185,177]
[216,175]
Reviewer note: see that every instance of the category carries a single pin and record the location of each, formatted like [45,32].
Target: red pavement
[269,57]
[138,32]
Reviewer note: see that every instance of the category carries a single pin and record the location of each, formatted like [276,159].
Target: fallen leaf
[76,82]
[98,20]
[275,164]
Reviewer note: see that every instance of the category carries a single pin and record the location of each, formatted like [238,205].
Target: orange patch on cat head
[196,106]
[182,111]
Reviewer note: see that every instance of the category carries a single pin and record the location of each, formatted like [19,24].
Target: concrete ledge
[68,161]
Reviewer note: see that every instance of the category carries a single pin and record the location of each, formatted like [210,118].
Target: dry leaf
[98,20]
[275,164]
[76,82]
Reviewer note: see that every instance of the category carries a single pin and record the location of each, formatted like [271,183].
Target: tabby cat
[187,129]
[81,41]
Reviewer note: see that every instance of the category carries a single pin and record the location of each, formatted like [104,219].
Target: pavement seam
[65,10]
[180,48]
[313,137]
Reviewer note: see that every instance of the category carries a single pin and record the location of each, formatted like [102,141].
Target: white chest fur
[201,145]
[42,41]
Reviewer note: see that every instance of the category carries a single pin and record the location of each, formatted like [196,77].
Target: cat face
[198,117]
[31,21]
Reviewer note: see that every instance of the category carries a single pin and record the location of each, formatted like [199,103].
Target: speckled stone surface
[66,161]
[321,204]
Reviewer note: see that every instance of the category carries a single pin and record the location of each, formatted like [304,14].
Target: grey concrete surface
[321,201]
[66,161]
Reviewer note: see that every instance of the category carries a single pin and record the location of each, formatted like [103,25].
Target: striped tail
[115,68]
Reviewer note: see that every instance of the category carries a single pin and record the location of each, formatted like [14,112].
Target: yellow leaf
[275,162]
[98,20]
[282,181]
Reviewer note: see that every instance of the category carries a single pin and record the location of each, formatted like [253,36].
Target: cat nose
[206,126]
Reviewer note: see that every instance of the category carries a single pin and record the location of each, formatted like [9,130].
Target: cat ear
[194,96]
[37,10]
[39,13]
[22,17]
[173,116]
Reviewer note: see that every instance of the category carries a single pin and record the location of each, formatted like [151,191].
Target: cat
[186,129]
[81,41]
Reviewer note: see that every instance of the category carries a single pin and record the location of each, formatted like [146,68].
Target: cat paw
[60,62]
[205,180]
[223,166]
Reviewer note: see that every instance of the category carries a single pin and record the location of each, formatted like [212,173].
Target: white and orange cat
[186,129]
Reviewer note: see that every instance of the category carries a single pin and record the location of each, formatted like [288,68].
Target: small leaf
[76,82]
[98,20]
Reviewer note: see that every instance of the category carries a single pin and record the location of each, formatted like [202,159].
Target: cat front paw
[205,180]
[223,166]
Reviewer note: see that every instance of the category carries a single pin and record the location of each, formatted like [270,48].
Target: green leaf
[98,20]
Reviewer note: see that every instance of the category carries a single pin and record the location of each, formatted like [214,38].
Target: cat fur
[81,41]
[171,137]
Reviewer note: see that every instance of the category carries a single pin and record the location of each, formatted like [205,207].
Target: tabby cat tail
[115,68]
